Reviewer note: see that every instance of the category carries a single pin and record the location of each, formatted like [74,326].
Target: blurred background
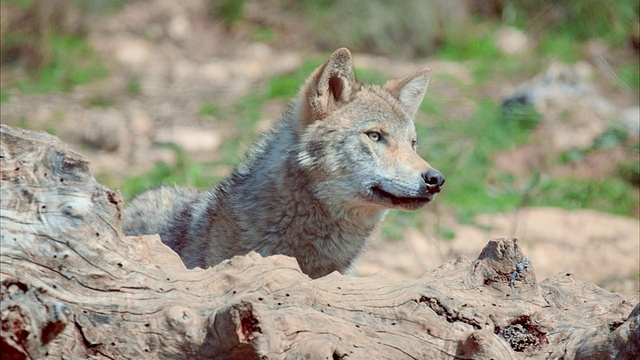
[532,111]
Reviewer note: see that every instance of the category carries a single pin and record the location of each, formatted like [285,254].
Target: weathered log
[74,287]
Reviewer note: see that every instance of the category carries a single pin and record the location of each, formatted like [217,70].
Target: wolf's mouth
[407,202]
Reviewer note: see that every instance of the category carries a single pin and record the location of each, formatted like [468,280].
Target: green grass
[18,3]
[397,222]
[463,151]
[581,20]
[370,76]
[230,11]
[209,109]
[630,172]
[133,85]
[5,97]
[612,136]
[611,195]
[630,75]
[561,46]
[101,7]
[72,63]
[99,101]
[463,46]
[263,34]
[476,47]
[400,29]
[183,173]
[52,127]
[286,86]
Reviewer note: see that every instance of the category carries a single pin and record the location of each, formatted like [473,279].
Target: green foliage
[610,195]
[133,85]
[286,86]
[400,28]
[562,46]
[263,34]
[463,150]
[397,222]
[630,75]
[100,6]
[572,155]
[520,118]
[630,172]
[248,111]
[476,46]
[51,127]
[5,97]
[72,63]
[99,101]
[462,46]
[18,3]
[209,109]
[577,19]
[445,233]
[183,173]
[611,137]
[230,11]
[564,26]
[370,76]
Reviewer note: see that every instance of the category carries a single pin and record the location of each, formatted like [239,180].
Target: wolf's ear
[330,86]
[410,90]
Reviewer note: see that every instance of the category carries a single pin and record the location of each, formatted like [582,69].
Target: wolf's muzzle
[434,180]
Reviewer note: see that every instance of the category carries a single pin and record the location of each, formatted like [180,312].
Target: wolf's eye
[374,136]
[414,144]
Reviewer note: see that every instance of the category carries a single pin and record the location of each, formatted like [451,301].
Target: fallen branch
[74,286]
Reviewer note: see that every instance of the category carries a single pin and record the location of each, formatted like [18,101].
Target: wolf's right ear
[410,90]
[330,86]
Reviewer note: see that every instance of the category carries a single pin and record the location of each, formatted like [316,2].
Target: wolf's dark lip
[400,201]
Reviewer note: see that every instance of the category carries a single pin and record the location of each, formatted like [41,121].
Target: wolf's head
[358,141]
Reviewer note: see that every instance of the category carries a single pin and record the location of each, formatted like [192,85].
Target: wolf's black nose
[434,180]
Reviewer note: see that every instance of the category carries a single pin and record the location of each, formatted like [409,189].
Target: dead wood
[74,287]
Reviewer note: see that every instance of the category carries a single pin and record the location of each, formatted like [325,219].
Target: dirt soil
[182,59]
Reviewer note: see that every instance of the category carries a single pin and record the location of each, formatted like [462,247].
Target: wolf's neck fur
[277,210]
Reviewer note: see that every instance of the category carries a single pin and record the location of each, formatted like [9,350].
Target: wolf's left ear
[330,86]
[410,90]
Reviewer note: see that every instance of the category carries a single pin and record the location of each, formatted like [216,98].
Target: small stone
[179,27]
[106,130]
[190,138]
[512,41]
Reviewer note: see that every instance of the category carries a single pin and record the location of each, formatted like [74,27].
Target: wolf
[316,187]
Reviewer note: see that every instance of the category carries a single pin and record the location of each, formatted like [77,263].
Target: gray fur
[306,189]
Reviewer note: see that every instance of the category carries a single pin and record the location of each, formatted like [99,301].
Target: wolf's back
[152,212]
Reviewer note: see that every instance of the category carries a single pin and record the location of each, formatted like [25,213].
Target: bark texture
[74,287]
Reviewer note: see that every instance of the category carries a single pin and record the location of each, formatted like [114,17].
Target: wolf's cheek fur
[355,166]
